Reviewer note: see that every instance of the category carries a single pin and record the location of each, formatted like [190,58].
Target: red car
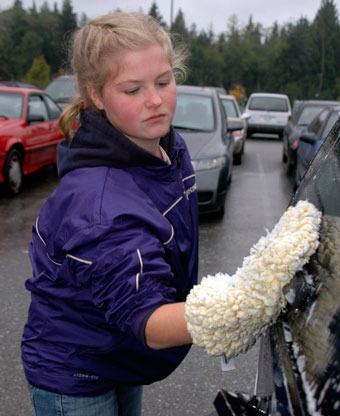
[29,134]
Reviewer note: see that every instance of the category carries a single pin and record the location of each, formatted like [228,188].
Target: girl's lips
[155,117]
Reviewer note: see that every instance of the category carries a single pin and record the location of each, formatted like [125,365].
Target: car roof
[228,97]
[330,109]
[267,94]
[318,102]
[25,90]
[194,89]
[14,83]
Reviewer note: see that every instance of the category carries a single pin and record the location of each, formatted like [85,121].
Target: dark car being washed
[299,365]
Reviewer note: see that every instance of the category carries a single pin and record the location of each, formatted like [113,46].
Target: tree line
[299,58]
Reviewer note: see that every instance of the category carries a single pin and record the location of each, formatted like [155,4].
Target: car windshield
[194,112]
[330,123]
[62,89]
[315,325]
[11,105]
[268,104]
[229,108]
[307,115]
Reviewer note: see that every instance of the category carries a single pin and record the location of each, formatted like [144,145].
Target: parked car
[201,120]
[311,138]
[299,365]
[302,114]
[62,89]
[269,113]
[29,134]
[233,113]
[14,83]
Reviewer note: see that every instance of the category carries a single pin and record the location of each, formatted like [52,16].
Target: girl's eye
[132,91]
[164,82]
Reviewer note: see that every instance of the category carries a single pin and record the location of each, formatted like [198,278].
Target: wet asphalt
[259,193]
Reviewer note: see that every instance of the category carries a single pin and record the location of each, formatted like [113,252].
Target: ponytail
[69,116]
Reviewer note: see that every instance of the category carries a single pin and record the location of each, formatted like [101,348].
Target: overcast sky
[202,12]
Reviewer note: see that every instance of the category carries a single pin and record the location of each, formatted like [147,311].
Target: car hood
[202,144]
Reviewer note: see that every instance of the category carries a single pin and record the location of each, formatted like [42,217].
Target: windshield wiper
[188,128]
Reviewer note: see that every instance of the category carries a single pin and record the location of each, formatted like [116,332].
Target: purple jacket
[116,239]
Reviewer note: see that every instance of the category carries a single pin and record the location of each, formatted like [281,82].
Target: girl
[114,248]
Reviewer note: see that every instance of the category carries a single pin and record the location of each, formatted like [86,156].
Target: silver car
[201,121]
[62,89]
[234,115]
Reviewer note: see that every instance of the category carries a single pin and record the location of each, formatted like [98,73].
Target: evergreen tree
[326,48]
[13,26]
[39,73]
[294,66]
[179,26]
[83,20]
[67,25]
[51,34]
[154,12]
[299,58]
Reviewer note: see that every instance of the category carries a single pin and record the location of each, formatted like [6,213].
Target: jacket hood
[98,143]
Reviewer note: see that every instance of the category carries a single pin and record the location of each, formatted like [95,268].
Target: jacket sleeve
[130,276]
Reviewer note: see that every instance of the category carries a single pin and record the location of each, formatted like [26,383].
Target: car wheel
[284,156]
[13,172]
[290,168]
[238,158]
[220,212]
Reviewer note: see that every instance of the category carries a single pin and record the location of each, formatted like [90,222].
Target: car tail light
[289,117]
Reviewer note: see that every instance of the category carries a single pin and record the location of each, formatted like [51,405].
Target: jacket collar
[98,143]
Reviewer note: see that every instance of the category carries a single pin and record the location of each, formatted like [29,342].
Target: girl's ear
[96,99]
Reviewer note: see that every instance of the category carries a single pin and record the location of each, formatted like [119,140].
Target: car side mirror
[234,125]
[309,137]
[245,116]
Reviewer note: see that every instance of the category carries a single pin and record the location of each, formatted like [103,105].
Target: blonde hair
[109,36]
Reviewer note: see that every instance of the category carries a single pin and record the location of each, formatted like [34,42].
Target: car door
[37,132]
[55,134]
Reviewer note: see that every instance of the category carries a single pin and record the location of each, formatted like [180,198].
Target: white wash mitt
[225,314]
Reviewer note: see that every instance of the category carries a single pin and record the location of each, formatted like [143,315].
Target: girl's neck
[151,146]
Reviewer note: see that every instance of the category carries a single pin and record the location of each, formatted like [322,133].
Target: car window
[318,121]
[53,109]
[11,104]
[62,88]
[194,112]
[268,104]
[315,325]
[330,123]
[296,110]
[307,115]
[229,108]
[37,107]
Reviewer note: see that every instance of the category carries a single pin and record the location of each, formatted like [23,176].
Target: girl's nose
[153,98]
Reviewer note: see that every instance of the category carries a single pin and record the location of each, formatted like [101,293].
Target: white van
[269,113]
